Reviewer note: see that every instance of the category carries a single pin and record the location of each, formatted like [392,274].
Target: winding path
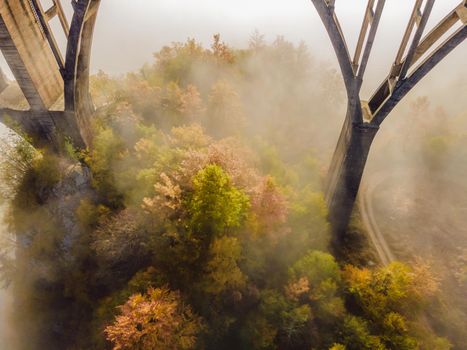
[367,208]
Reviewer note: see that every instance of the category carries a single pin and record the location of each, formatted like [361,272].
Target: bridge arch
[29,46]
[364,118]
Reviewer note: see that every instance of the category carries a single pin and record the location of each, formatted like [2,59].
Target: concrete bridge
[417,55]
[45,75]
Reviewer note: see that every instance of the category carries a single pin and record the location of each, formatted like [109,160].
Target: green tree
[358,337]
[316,278]
[107,150]
[216,205]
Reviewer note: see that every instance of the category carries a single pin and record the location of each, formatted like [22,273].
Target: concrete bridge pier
[44,74]
[44,129]
[418,54]
[345,172]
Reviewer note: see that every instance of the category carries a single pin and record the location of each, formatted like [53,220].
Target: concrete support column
[3,81]
[345,172]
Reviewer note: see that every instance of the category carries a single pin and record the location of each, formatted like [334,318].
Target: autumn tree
[316,279]
[389,299]
[175,62]
[222,271]
[269,206]
[221,51]
[224,111]
[156,320]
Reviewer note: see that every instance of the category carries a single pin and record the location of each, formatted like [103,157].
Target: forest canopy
[197,219]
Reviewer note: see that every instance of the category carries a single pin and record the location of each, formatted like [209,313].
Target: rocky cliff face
[49,254]
[65,198]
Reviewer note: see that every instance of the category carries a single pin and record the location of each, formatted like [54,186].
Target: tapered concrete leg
[3,81]
[346,172]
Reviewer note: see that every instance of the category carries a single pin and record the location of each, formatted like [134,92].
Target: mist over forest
[197,219]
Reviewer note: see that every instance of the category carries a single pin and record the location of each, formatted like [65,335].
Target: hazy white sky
[128,32]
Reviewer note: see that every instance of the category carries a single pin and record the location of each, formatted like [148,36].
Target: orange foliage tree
[156,320]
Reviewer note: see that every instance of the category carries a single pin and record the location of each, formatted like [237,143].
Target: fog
[141,27]
[6,302]
[128,33]
[144,26]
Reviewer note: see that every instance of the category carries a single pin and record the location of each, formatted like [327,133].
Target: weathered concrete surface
[77,66]
[26,44]
[346,170]
[3,81]
[44,128]
[28,54]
